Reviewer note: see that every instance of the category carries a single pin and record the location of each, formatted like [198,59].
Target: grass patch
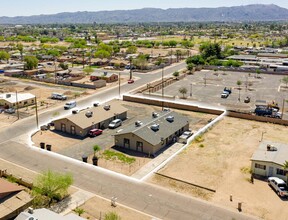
[246,170]
[199,139]
[112,155]
[201,145]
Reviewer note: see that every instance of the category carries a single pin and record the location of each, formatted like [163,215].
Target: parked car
[95,132]
[184,137]
[10,110]
[115,123]
[225,94]
[58,96]
[279,186]
[70,105]
[130,81]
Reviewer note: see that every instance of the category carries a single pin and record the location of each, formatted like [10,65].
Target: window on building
[32,101]
[25,103]
[281,172]
[73,129]
[260,166]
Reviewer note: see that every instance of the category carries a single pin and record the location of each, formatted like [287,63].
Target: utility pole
[162,88]
[283,108]
[55,68]
[119,75]
[190,89]
[130,59]
[205,79]
[17,105]
[36,109]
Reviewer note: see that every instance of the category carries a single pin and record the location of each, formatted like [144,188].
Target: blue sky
[35,7]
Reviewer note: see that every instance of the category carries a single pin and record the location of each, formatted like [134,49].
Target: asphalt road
[144,197]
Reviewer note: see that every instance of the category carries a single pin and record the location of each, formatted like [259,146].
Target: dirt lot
[96,208]
[222,163]
[75,148]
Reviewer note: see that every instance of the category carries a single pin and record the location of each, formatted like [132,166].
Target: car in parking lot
[225,94]
[95,132]
[10,110]
[184,137]
[115,123]
[279,186]
[75,111]
[130,81]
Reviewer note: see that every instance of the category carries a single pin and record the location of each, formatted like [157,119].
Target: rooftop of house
[276,153]
[169,122]
[102,74]
[12,98]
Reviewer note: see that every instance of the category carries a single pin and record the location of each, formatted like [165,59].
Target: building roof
[166,128]
[103,74]
[243,57]
[11,97]
[278,156]
[99,115]
[7,187]
[46,214]
[277,55]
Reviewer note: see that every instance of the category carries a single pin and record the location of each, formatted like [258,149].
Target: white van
[115,123]
[70,105]
[58,96]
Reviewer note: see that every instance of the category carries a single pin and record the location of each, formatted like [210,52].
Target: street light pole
[190,89]
[36,109]
[17,105]
[162,88]
[119,75]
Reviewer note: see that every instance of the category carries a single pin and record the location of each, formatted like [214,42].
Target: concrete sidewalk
[149,167]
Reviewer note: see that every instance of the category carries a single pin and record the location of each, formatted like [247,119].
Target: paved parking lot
[267,88]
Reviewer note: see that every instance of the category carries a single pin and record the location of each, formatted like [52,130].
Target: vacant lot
[221,161]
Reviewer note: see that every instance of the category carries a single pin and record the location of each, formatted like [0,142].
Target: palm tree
[183,91]
[285,167]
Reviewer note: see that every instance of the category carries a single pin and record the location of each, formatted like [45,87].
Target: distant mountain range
[256,12]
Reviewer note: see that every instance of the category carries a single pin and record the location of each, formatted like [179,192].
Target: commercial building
[99,117]
[152,134]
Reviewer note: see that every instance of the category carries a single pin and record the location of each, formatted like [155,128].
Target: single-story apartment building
[268,160]
[107,76]
[152,134]
[10,99]
[79,124]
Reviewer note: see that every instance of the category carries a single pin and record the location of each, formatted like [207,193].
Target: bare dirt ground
[96,208]
[221,161]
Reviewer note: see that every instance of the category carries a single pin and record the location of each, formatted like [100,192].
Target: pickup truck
[279,186]
[225,94]
[184,137]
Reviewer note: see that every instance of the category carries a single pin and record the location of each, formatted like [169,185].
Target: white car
[279,186]
[115,123]
[184,137]
[224,94]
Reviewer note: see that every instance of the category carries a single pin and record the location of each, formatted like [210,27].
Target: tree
[285,80]
[141,62]
[131,50]
[197,60]
[31,62]
[112,216]
[183,91]
[190,67]
[102,54]
[88,70]
[20,48]
[52,185]
[176,74]
[96,148]
[4,55]
[79,211]
[285,167]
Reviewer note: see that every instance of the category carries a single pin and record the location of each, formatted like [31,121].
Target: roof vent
[30,210]
[106,107]
[155,115]
[8,95]
[170,118]
[155,127]
[271,148]
[138,123]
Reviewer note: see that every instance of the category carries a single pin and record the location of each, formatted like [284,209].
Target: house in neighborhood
[268,160]
[152,134]
[13,199]
[100,117]
[107,76]
[10,99]
[45,214]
